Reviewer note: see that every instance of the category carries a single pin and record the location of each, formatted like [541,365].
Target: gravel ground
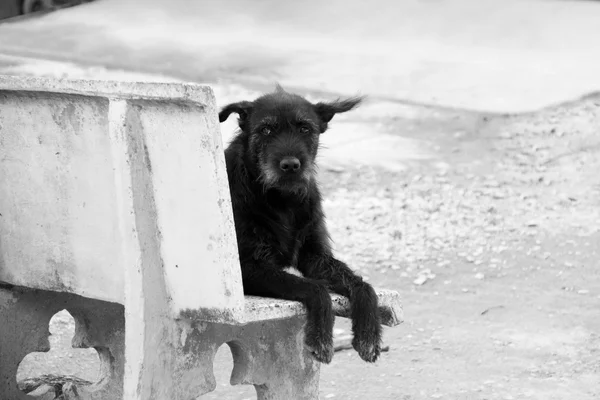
[492,239]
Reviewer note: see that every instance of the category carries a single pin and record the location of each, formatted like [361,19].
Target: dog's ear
[241,108]
[326,111]
[279,88]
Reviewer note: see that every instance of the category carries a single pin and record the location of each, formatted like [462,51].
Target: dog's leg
[261,280]
[366,324]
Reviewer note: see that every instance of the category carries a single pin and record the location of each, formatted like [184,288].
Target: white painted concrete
[99,178]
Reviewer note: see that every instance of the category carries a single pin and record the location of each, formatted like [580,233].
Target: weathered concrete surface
[269,354]
[88,199]
[263,309]
[25,315]
[508,56]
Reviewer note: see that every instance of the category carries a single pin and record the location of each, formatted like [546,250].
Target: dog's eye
[265,131]
[304,129]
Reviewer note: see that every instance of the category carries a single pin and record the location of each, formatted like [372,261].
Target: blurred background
[468,181]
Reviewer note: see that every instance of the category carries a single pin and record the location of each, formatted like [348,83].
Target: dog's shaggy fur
[279,219]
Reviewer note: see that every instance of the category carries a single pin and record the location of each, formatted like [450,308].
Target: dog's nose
[289,164]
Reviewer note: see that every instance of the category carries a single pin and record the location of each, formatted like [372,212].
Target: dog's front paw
[320,347]
[366,324]
[368,346]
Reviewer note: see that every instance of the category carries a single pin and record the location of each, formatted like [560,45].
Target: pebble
[424,276]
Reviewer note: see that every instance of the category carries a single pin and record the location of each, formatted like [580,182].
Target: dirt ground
[492,238]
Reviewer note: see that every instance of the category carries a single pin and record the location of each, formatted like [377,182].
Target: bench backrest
[101,179]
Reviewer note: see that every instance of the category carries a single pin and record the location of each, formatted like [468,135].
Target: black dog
[279,220]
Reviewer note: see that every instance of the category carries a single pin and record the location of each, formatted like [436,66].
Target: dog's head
[283,135]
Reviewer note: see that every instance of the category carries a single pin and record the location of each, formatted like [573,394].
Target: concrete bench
[114,205]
